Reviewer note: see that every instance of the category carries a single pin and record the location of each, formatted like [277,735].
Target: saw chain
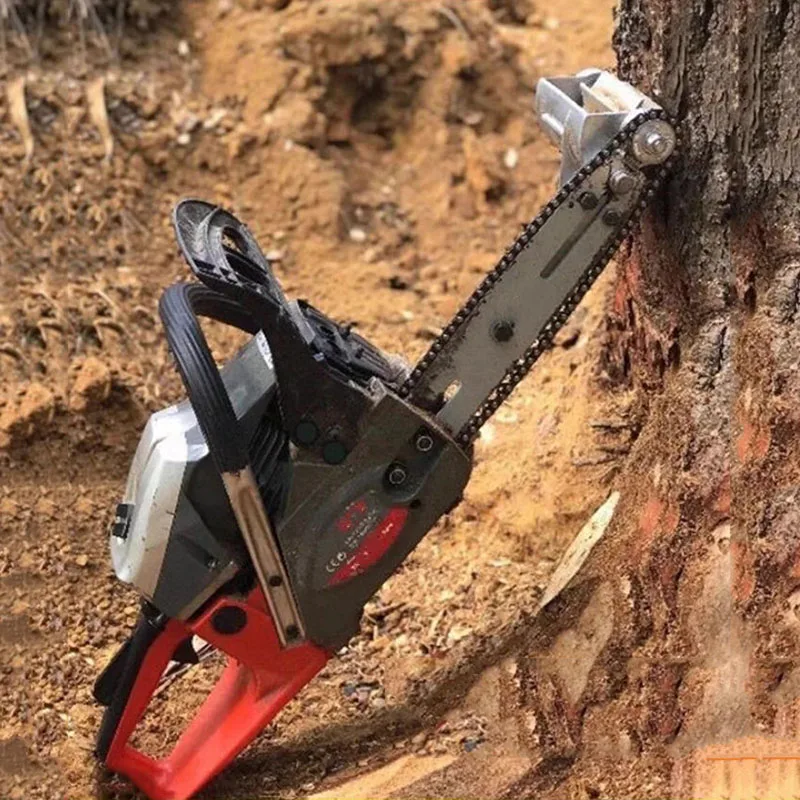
[263,511]
[574,191]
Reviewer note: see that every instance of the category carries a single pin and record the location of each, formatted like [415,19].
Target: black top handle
[224,255]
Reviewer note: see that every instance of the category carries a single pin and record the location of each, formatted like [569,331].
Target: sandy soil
[384,153]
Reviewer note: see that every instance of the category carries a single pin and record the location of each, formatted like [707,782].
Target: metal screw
[656,144]
[424,442]
[502,331]
[612,217]
[396,475]
[306,432]
[334,452]
[621,182]
[292,632]
[588,201]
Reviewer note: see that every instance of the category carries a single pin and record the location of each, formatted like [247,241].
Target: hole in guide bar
[451,391]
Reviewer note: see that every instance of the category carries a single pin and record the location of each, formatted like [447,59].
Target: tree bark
[677,644]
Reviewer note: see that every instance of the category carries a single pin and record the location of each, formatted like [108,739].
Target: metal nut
[621,182]
[612,217]
[654,142]
[588,201]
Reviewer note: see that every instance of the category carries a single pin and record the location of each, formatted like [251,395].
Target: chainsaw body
[263,511]
[342,528]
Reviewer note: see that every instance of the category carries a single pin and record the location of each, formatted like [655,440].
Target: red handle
[260,678]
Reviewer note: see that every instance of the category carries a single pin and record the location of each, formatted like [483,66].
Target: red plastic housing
[259,679]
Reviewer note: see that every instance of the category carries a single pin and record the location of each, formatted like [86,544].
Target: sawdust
[386,152]
[387,780]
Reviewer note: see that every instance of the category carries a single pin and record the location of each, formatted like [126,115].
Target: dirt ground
[383,153]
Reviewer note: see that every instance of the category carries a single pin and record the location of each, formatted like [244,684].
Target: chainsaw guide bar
[263,511]
[426,379]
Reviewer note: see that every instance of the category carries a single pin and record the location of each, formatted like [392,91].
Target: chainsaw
[262,512]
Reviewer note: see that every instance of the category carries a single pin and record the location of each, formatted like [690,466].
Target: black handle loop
[223,254]
[179,308]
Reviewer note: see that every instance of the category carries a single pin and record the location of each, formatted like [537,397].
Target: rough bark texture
[678,641]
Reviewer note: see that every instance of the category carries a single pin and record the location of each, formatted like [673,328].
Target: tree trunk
[674,649]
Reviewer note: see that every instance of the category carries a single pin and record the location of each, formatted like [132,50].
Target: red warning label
[368,531]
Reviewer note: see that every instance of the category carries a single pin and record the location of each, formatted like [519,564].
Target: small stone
[511,158]
[473,118]
[275,255]
[471,744]
[458,632]
[189,122]
[507,416]
[362,694]
[214,118]
[551,23]
[487,433]
[358,235]
[183,48]
[183,139]
[82,560]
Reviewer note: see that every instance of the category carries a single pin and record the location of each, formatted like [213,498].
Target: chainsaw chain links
[521,366]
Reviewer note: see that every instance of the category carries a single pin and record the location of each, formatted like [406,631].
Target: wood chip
[579,550]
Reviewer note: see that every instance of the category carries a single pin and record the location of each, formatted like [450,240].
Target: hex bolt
[612,218]
[396,475]
[621,182]
[588,201]
[423,442]
[502,331]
